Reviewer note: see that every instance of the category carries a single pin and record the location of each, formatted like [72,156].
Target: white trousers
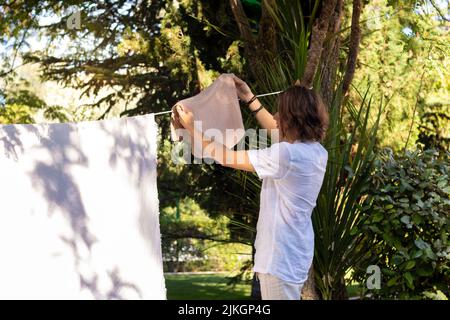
[273,288]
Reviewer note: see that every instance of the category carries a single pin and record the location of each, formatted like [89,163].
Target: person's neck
[289,140]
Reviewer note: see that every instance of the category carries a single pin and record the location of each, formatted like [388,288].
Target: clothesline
[258,95]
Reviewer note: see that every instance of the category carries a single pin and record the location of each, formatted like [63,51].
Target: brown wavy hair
[303,115]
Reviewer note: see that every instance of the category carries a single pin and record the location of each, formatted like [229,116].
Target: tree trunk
[322,55]
[309,291]
[316,43]
[340,293]
[328,20]
[258,48]
[330,60]
[355,39]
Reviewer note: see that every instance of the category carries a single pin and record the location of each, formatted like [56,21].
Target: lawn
[204,287]
[213,287]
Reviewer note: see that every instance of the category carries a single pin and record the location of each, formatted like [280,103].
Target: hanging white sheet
[79,211]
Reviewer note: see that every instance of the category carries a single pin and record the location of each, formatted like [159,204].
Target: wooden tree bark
[267,36]
[309,291]
[330,61]
[319,32]
[244,29]
[340,293]
[355,39]
[257,47]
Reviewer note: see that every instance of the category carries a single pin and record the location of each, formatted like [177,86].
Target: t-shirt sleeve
[272,162]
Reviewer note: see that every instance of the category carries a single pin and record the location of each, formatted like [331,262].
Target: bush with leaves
[434,127]
[407,225]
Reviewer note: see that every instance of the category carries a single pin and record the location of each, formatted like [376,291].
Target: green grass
[354,290]
[204,287]
[215,287]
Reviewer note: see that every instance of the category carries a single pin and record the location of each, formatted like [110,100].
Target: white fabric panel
[79,211]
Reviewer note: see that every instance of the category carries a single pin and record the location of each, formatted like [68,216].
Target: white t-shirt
[292,176]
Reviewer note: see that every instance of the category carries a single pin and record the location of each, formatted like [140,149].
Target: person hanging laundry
[79,212]
[217,110]
[292,171]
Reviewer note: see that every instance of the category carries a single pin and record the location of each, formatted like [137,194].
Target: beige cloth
[217,107]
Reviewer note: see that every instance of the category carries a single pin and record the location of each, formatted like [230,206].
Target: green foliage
[404,56]
[21,105]
[25,97]
[337,216]
[295,21]
[24,107]
[407,224]
[350,143]
[435,295]
[204,287]
[15,113]
[434,128]
[151,55]
[57,113]
[193,241]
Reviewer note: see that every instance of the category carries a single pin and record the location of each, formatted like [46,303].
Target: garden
[382,67]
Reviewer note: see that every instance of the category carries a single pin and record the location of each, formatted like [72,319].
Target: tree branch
[330,55]
[187,234]
[250,43]
[436,7]
[319,32]
[242,21]
[267,30]
[355,38]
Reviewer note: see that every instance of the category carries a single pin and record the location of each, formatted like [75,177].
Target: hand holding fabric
[243,90]
[185,117]
[175,119]
[217,111]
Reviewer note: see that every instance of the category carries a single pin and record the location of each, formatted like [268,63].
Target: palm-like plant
[350,141]
[337,217]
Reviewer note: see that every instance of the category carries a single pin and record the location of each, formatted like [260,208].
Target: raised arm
[263,116]
[217,151]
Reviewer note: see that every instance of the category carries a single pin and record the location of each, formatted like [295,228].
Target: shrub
[407,225]
[434,127]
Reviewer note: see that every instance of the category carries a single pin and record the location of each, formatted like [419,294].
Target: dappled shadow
[56,151]
[53,180]
[91,281]
[134,150]
[119,286]
[11,139]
